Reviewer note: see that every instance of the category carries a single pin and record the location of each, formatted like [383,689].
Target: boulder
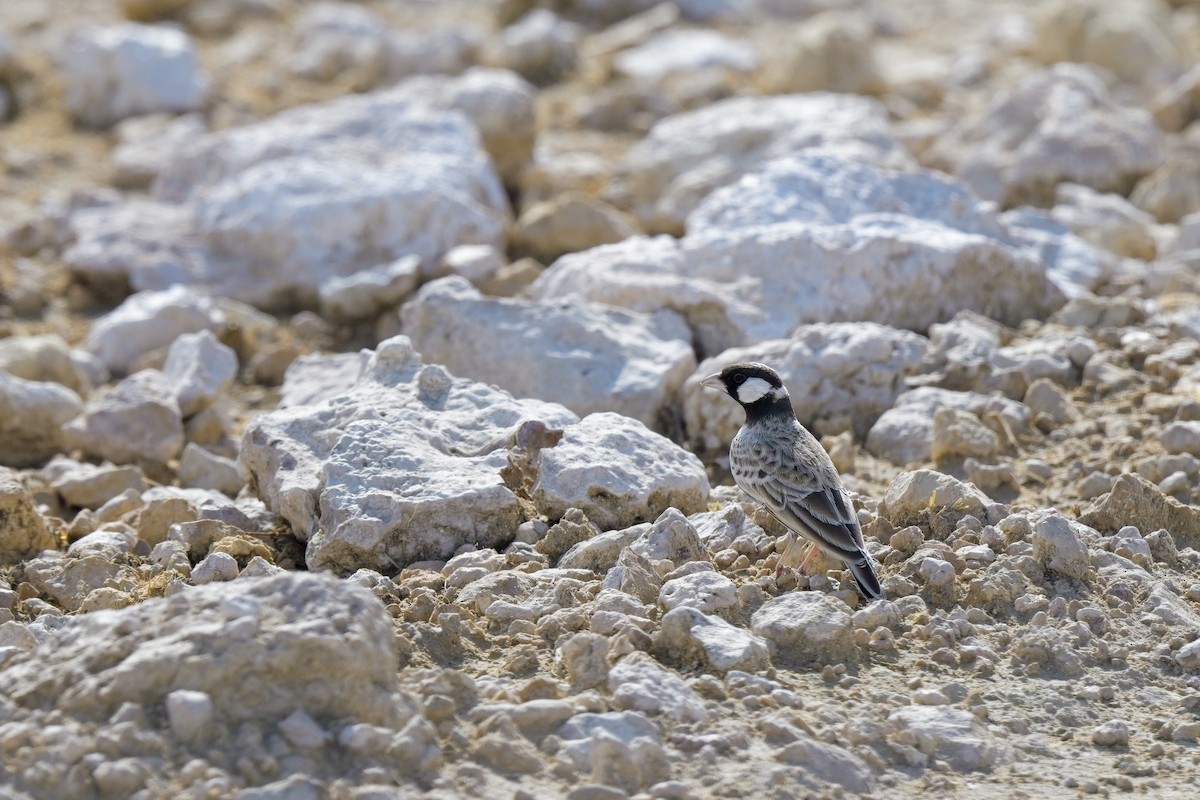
[905,433]
[32,414]
[201,368]
[138,421]
[118,71]
[806,627]
[1054,126]
[410,463]
[148,321]
[688,155]
[821,238]
[23,531]
[586,356]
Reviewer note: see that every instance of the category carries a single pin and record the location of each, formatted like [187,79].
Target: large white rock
[904,433]
[950,734]
[618,472]
[820,238]
[137,421]
[677,52]
[806,627]
[148,321]
[23,531]
[407,464]
[268,213]
[687,631]
[201,368]
[42,358]
[120,71]
[639,683]
[835,371]
[1137,41]
[32,414]
[586,356]
[293,641]
[688,155]
[1057,125]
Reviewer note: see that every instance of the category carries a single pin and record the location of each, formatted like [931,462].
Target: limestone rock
[1053,126]
[1135,501]
[690,633]
[23,531]
[202,369]
[922,496]
[1058,547]
[686,156]
[330,647]
[587,357]
[32,414]
[42,358]
[120,71]
[639,683]
[148,321]
[800,241]
[137,421]
[806,627]
[905,433]
[570,223]
[950,734]
[640,475]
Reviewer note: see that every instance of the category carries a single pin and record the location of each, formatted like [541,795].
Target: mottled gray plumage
[776,461]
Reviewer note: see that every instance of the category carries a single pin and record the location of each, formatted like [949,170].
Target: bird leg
[791,554]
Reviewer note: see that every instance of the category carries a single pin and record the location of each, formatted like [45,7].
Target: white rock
[145,146]
[952,735]
[806,627]
[540,47]
[1114,733]
[1058,547]
[120,71]
[269,212]
[147,244]
[618,472]
[721,646]
[1106,220]
[892,254]
[202,368]
[42,358]
[313,378]
[706,591]
[1181,437]
[215,567]
[294,616]
[585,356]
[904,434]
[688,155]
[302,730]
[435,442]
[961,434]
[137,421]
[449,50]
[499,103]
[201,469]
[912,497]
[364,294]
[32,414]
[475,262]
[828,51]
[23,531]
[1137,41]
[580,732]
[86,485]
[679,52]
[148,321]
[1188,656]
[1053,126]
[834,371]
[638,683]
[189,712]
[828,762]
[336,39]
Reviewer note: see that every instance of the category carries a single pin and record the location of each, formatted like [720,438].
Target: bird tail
[864,576]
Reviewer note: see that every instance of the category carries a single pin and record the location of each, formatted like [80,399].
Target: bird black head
[757,387]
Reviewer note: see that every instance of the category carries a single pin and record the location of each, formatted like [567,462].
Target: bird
[778,463]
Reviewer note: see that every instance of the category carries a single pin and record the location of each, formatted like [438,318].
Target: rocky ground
[350,414]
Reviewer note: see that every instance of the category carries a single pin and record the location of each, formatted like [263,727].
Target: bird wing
[806,503]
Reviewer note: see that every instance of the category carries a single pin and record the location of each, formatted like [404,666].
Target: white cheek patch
[753,390]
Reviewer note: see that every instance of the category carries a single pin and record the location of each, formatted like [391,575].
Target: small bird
[776,461]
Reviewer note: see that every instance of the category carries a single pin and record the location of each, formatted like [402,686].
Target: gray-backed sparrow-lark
[776,461]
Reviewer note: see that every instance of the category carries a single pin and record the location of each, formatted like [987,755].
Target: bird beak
[713,381]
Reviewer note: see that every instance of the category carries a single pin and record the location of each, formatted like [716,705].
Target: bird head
[755,386]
